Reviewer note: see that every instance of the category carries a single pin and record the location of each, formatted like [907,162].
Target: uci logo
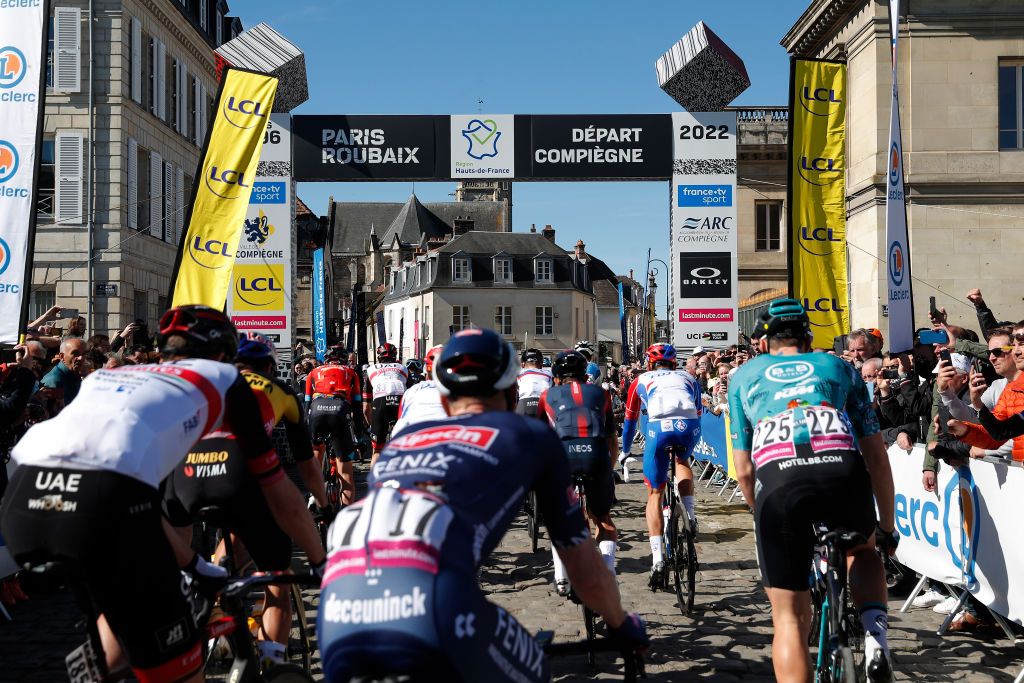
[897,264]
[820,238]
[229,183]
[201,249]
[819,101]
[257,291]
[8,161]
[12,67]
[243,113]
[789,371]
[820,170]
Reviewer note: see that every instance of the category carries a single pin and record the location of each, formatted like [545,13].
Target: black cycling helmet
[531,356]
[570,364]
[387,352]
[206,331]
[476,362]
[414,365]
[335,353]
[785,317]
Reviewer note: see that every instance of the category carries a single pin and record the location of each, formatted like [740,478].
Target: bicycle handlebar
[238,586]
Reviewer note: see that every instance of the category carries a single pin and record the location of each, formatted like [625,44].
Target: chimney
[630,273]
[549,233]
[533,227]
[581,251]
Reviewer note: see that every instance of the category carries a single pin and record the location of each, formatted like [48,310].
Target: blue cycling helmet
[251,349]
[785,317]
[476,362]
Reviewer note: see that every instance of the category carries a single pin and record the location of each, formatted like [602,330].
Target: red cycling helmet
[661,353]
[430,357]
[206,331]
[387,352]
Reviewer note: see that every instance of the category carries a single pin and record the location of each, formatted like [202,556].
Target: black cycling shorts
[383,416]
[830,487]
[214,473]
[107,527]
[589,458]
[528,406]
[330,420]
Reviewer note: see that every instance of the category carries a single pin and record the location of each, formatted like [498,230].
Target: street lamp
[652,304]
[668,305]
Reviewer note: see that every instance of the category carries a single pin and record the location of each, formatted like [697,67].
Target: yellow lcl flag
[223,184]
[817,207]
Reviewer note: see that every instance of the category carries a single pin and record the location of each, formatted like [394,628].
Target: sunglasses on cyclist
[1000,351]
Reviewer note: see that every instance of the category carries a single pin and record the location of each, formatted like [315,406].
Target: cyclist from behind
[672,400]
[807,449]
[332,391]
[581,415]
[400,596]
[593,369]
[534,379]
[422,401]
[87,484]
[384,382]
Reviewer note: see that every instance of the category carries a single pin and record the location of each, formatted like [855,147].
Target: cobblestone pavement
[727,639]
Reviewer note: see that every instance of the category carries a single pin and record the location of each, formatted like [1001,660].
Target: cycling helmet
[661,353]
[250,349]
[531,356]
[585,348]
[414,365]
[570,364]
[476,362]
[335,354]
[206,331]
[546,362]
[431,358]
[261,338]
[387,353]
[785,316]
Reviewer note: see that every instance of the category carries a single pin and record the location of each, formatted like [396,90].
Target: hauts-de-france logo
[483,136]
[12,67]
[258,229]
[8,161]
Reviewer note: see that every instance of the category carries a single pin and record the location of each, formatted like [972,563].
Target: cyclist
[807,448]
[422,401]
[581,415]
[384,382]
[415,368]
[214,474]
[534,379]
[400,596]
[593,369]
[672,400]
[87,480]
[332,389]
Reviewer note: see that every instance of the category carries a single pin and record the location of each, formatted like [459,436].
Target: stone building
[128,101]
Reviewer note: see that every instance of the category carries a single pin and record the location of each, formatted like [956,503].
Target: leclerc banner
[703,251]
[898,281]
[223,185]
[817,195]
[319,315]
[22,42]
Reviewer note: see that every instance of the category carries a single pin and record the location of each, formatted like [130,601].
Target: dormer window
[542,269]
[394,280]
[502,269]
[461,270]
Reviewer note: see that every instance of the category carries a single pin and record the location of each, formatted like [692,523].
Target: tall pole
[645,318]
[668,305]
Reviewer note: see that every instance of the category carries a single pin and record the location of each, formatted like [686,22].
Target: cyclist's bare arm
[179,542]
[744,474]
[872,448]
[593,582]
[291,515]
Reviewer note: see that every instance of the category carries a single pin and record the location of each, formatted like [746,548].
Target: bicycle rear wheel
[590,623]
[533,520]
[304,652]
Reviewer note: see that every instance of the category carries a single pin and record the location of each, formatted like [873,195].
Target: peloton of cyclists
[422,401]
[332,392]
[384,382]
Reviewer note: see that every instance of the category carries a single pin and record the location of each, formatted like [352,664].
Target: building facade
[960,72]
[128,102]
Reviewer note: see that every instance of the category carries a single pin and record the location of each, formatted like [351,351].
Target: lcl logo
[243,114]
[227,183]
[819,101]
[201,249]
[817,241]
[822,305]
[259,287]
[820,170]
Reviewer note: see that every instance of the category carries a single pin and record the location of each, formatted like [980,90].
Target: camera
[890,373]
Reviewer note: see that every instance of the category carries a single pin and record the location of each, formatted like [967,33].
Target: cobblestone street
[727,639]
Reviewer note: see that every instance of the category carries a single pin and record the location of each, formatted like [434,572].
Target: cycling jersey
[331,421]
[141,420]
[278,403]
[420,403]
[333,380]
[664,393]
[533,382]
[400,594]
[384,379]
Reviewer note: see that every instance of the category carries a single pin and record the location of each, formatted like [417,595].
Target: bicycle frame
[834,629]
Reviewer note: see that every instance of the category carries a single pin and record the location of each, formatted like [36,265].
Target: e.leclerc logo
[897,263]
[12,68]
[208,253]
[789,371]
[820,170]
[243,114]
[894,164]
[8,162]
[226,183]
[5,256]
[819,101]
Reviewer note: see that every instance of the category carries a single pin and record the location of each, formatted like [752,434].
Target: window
[460,318]
[40,301]
[49,58]
[47,180]
[149,68]
[461,271]
[219,28]
[503,270]
[426,323]
[542,268]
[503,319]
[545,321]
[141,306]
[143,189]
[173,84]
[204,14]
[1011,104]
[768,216]
[67,29]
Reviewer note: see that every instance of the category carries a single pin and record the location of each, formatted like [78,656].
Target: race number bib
[773,439]
[829,429]
[389,528]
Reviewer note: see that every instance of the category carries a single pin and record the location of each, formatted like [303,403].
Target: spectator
[906,402]
[986,318]
[702,374]
[64,378]
[138,354]
[98,342]
[863,343]
[76,329]
[742,355]
[115,361]
[133,335]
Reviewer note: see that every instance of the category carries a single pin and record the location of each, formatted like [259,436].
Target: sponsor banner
[622,326]
[607,146]
[483,146]
[223,185]
[899,291]
[319,314]
[817,186]
[22,39]
[704,264]
[258,323]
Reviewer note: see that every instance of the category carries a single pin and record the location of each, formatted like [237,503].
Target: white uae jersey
[385,379]
[533,382]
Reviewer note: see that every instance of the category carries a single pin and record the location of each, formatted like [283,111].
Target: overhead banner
[220,203]
[817,196]
[600,146]
[703,252]
[897,273]
[319,314]
[22,49]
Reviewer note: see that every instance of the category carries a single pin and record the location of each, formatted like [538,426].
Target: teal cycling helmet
[784,317]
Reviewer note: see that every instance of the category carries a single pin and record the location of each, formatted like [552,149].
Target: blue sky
[522,57]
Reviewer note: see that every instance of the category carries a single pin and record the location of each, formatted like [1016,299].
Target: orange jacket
[1010,403]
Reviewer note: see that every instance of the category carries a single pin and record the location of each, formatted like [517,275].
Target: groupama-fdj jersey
[400,590]
[800,416]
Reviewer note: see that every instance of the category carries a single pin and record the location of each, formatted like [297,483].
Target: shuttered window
[69,155]
[197,111]
[132,194]
[156,203]
[136,64]
[179,203]
[169,202]
[67,23]
[161,80]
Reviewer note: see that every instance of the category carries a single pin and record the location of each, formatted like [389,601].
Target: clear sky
[522,57]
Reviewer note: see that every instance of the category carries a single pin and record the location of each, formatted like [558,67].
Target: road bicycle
[632,661]
[533,521]
[835,625]
[681,548]
[589,616]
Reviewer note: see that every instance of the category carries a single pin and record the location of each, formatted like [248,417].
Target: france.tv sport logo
[12,67]
[704,195]
[483,138]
